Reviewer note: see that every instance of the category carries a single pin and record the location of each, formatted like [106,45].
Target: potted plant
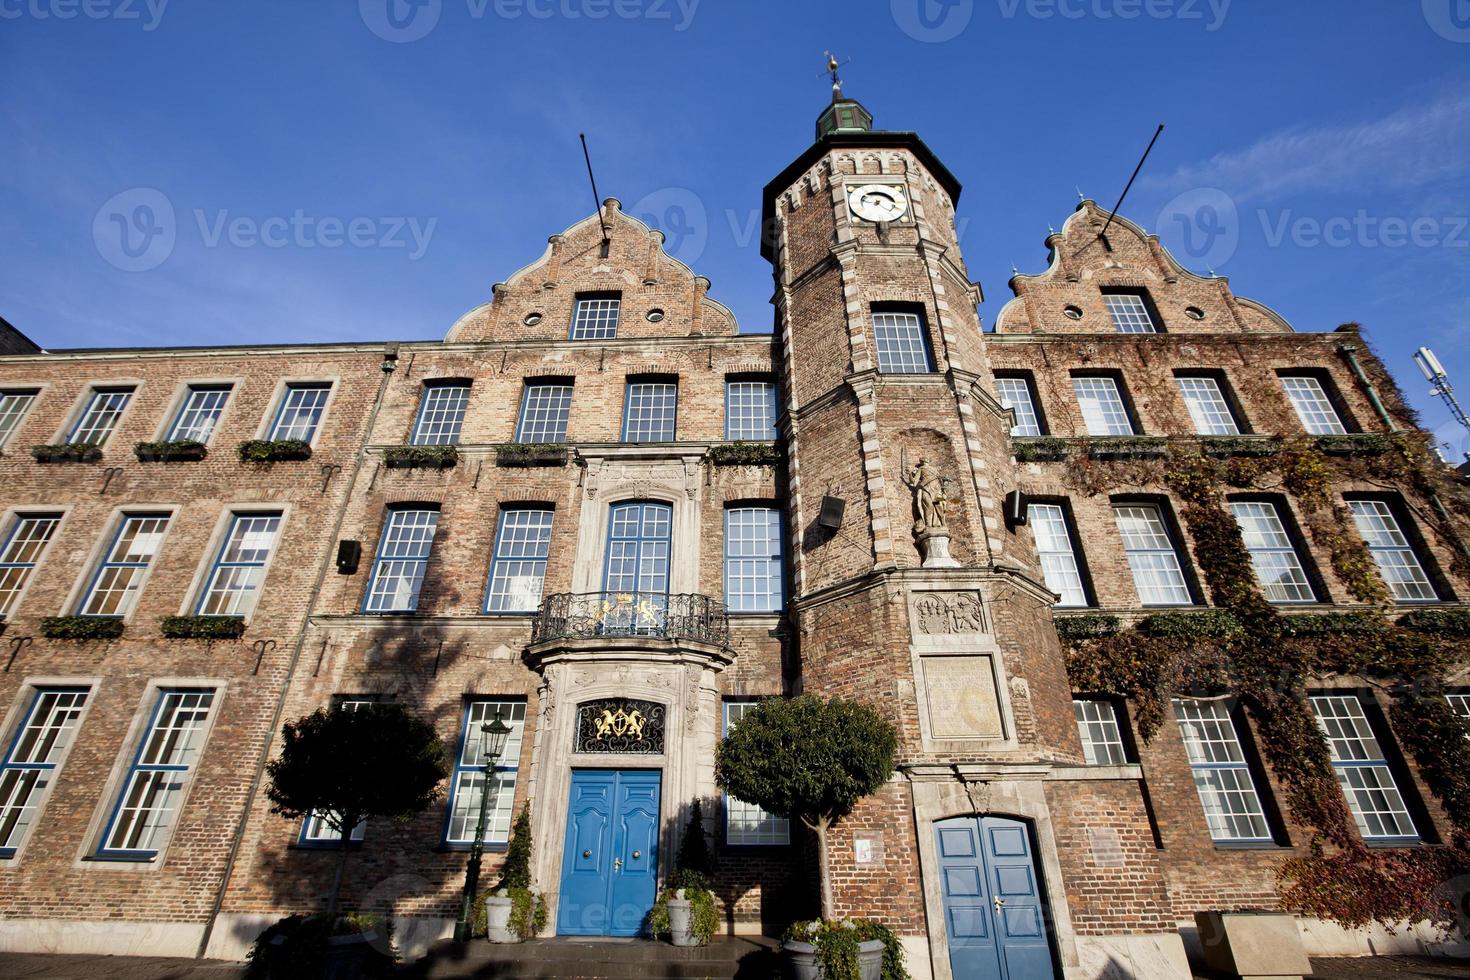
[514,911]
[685,910]
[844,949]
[308,948]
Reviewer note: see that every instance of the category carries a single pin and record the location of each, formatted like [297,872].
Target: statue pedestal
[934,543]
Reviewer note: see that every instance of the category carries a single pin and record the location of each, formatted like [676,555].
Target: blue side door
[609,872]
[993,913]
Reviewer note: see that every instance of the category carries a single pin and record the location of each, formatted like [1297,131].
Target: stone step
[725,958]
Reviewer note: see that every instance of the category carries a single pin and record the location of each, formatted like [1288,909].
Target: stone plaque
[867,849]
[962,699]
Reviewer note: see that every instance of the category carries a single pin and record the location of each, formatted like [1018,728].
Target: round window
[654,316]
[1073,312]
[1195,313]
[532,319]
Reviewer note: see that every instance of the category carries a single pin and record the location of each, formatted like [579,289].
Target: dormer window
[1131,311]
[595,316]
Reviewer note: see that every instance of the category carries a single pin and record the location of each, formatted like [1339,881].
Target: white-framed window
[118,580]
[26,541]
[1362,771]
[1316,411]
[1273,555]
[1015,393]
[1058,556]
[301,410]
[1460,703]
[200,413]
[596,317]
[235,578]
[314,829]
[1208,406]
[747,825]
[545,408]
[750,410]
[1102,736]
[1103,410]
[441,413]
[402,558]
[753,576]
[1395,557]
[650,411]
[1222,775]
[34,758]
[159,774]
[100,416]
[1152,556]
[468,782]
[518,567]
[1130,313]
[14,404]
[903,347]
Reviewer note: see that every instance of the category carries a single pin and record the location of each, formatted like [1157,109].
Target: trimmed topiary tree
[807,759]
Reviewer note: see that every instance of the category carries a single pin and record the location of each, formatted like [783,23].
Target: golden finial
[832,68]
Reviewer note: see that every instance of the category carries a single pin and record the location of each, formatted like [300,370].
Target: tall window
[314,829]
[200,413]
[1208,407]
[650,409]
[29,534]
[753,559]
[1397,562]
[595,317]
[35,755]
[403,555]
[1152,556]
[545,407]
[100,415]
[13,408]
[441,414]
[234,580]
[1460,704]
[1362,771]
[1102,737]
[1316,411]
[750,410]
[1103,411]
[903,347]
[1130,313]
[154,788]
[1058,557]
[518,568]
[1222,775]
[638,548]
[1015,393]
[301,411]
[1278,566]
[119,577]
[468,783]
[747,825]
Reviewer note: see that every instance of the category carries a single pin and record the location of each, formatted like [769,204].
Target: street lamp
[493,735]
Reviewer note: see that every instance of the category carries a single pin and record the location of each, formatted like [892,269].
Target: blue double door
[609,870]
[994,916]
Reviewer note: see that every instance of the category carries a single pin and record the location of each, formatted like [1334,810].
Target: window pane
[1058,559]
[119,577]
[596,318]
[1129,312]
[1277,565]
[750,410]
[746,824]
[236,577]
[649,412]
[301,412]
[753,559]
[544,412]
[1461,704]
[1016,393]
[1207,407]
[203,405]
[1222,778]
[518,568]
[1362,771]
[1103,412]
[13,407]
[1395,557]
[99,418]
[902,348]
[468,783]
[1151,555]
[35,753]
[441,415]
[1102,740]
[1312,405]
[638,548]
[403,556]
[28,536]
[155,784]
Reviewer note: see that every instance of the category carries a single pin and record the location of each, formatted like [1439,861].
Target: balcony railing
[616,614]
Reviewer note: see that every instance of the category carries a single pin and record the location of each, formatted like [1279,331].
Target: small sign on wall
[867,849]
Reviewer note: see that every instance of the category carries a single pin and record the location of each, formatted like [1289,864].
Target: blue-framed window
[650,410]
[239,568]
[14,405]
[1362,770]
[100,416]
[753,568]
[903,343]
[441,413]
[545,408]
[747,825]
[403,555]
[518,566]
[119,577]
[301,410]
[26,541]
[315,831]
[200,413]
[1222,774]
[33,759]
[638,545]
[595,316]
[468,782]
[750,409]
[154,788]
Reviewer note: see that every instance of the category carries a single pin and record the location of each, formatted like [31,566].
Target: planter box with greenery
[1356,444]
[175,451]
[845,949]
[1437,622]
[67,452]
[1127,447]
[82,627]
[531,454]
[1092,626]
[274,450]
[1221,446]
[1214,623]
[421,457]
[1042,449]
[746,454]
[203,627]
[1332,624]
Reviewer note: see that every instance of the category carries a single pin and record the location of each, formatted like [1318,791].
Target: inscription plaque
[961,696]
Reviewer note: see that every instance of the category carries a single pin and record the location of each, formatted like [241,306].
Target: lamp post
[492,742]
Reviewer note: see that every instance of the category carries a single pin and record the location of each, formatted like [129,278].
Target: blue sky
[345,170]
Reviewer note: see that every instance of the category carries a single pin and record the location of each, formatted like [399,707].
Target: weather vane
[832,68]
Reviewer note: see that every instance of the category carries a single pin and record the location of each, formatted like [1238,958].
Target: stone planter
[343,958]
[802,963]
[1252,944]
[870,959]
[497,920]
[681,922]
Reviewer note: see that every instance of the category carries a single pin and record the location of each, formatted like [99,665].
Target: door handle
[1000,903]
[637,855]
[618,865]
[586,854]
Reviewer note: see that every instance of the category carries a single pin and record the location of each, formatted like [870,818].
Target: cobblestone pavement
[1389,968]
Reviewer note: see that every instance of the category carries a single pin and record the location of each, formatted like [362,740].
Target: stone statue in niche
[931,498]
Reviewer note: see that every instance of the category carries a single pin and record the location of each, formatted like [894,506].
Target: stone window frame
[83,403]
[31,391]
[9,523]
[97,557]
[18,713]
[277,402]
[194,595]
[178,401]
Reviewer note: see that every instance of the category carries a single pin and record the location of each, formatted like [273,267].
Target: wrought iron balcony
[620,614]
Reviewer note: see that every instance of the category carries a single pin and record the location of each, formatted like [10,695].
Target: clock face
[878,202]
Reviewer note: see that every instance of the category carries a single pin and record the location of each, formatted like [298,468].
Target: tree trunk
[824,868]
[336,894]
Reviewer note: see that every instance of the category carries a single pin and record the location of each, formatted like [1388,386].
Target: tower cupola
[844,115]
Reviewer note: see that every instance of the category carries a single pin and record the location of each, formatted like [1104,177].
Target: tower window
[1208,406]
[1014,392]
[1362,770]
[441,413]
[1157,573]
[1392,551]
[595,316]
[903,346]
[1104,412]
[1273,554]
[1131,312]
[1222,775]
